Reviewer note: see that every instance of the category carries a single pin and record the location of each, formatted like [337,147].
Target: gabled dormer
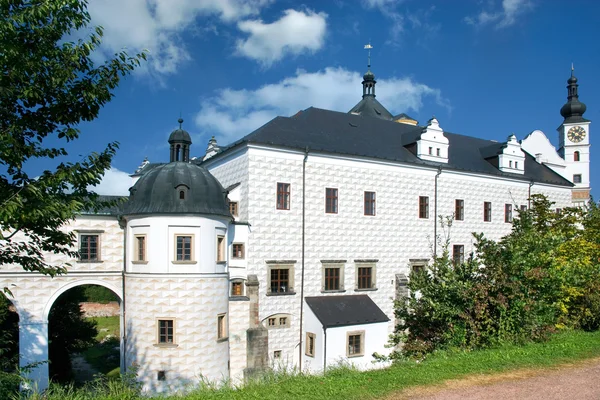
[212,149]
[432,144]
[510,157]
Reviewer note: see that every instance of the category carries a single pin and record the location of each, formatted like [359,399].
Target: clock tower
[574,143]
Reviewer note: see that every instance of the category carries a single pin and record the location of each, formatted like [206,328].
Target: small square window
[331,278]
[369,203]
[523,207]
[310,344]
[237,288]
[331,201]
[458,254]
[459,210]
[220,248]
[89,246]
[221,326]
[281,279]
[166,331]
[161,375]
[238,250]
[355,343]
[508,216]
[283,321]
[277,354]
[283,196]
[423,207]
[577,178]
[487,211]
[365,276]
[233,208]
[183,248]
[272,321]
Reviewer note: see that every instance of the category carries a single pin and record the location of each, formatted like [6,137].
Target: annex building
[287,247]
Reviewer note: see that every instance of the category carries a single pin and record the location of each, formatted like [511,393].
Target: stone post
[33,353]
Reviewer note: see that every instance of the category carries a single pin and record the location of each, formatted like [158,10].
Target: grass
[347,384]
[104,356]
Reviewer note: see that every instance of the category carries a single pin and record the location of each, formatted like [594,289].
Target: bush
[9,384]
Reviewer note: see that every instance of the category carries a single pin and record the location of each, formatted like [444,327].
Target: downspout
[303,237]
[529,195]
[435,207]
[324,349]
[124,339]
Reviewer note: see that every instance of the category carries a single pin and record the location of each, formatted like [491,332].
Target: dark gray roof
[403,116]
[157,191]
[334,311]
[359,135]
[180,136]
[114,205]
[370,107]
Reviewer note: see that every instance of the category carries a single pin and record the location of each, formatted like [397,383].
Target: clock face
[576,134]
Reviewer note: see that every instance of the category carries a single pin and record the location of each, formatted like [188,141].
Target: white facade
[187,319]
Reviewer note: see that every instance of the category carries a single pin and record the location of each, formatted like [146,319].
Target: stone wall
[110,309]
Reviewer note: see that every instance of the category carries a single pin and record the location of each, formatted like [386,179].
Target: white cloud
[294,33]
[507,16]
[114,182]
[234,113]
[156,25]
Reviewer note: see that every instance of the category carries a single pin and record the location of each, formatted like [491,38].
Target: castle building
[287,247]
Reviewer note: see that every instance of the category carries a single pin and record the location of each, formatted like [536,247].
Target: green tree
[68,333]
[543,276]
[48,86]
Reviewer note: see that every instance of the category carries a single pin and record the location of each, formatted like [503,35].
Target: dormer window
[432,137]
[510,156]
[181,191]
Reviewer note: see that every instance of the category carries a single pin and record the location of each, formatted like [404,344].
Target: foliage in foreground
[48,86]
[346,383]
[542,277]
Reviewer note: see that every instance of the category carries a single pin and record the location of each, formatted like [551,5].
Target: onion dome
[178,188]
[573,109]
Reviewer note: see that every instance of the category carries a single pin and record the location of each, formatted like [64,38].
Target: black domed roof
[369,76]
[573,109]
[179,135]
[158,192]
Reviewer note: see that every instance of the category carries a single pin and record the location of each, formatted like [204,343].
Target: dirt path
[579,381]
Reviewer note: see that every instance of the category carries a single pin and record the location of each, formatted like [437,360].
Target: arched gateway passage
[33,296]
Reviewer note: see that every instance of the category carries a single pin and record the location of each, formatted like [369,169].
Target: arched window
[576,156]
[181,195]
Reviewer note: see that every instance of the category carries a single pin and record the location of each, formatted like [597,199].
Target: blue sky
[484,68]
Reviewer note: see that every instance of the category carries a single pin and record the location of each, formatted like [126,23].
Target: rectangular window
[459,210]
[220,248]
[437,152]
[487,211]
[238,250]
[577,178]
[166,331]
[332,278]
[277,354]
[283,321]
[272,321]
[523,207]
[423,207]
[369,203]
[508,217]
[355,344]
[310,344]
[237,288]
[364,277]
[458,254]
[88,249]
[281,279]
[233,208]
[140,248]
[183,248]
[283,196]
[221,326]
[331,201]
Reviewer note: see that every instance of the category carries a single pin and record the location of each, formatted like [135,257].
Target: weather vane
[369,47]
